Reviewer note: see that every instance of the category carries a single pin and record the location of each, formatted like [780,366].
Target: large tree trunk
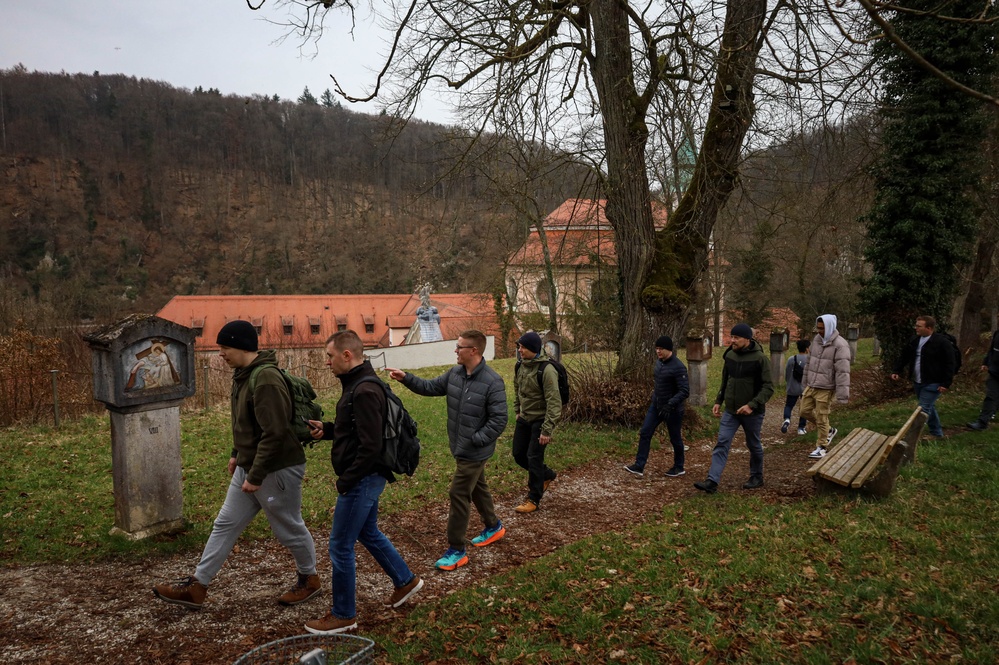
[974,297]
[629,208]
[668,292]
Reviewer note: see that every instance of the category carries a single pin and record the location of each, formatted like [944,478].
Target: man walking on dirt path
[827,377]
[745,388]
[930,360]
[267,466]
[476,416]
[356,454]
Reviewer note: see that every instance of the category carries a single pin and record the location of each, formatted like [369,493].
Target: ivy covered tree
[923,223]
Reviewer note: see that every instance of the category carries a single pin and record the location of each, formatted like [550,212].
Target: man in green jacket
[745,389]
[538,405]
[267,466]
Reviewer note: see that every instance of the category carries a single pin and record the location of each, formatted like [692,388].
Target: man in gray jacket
[476,416]
[827,377]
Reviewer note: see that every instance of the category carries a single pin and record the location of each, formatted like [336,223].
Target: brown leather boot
[188,592]
[306,587]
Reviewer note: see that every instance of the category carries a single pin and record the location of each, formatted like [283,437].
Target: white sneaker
[785,425]
[802,431]
[818,453]
[832,433]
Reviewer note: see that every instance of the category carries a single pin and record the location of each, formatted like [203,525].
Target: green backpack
[303,402]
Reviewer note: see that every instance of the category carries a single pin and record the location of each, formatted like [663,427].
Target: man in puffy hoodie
[827,377]
[476,416]
[745,388]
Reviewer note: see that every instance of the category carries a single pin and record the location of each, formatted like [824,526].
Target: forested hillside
[118,193]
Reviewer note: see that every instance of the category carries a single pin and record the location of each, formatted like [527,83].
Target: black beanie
[664,342]
[530,341]
[742,330]
[238,335]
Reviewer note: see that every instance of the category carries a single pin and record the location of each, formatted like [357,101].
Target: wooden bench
[867,462]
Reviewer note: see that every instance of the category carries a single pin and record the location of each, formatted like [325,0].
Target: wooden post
[55,395]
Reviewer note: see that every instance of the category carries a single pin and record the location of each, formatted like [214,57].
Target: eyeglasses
[460,347]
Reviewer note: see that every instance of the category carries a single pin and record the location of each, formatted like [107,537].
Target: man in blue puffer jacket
[671,387]
[476,416]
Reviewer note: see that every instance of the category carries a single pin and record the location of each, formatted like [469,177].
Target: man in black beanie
[745,388]
[538,406]
[267,466]
[670,390]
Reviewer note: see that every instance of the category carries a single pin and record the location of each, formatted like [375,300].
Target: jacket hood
[830,323]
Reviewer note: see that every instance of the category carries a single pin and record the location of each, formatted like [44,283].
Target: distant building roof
[577,232]
[297,321]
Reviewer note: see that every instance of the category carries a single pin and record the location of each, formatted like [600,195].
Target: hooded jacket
[262,438]
[533,403]
[745,379]
[476,408]
[828,365]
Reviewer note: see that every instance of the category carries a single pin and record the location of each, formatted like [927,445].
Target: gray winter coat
[476,408]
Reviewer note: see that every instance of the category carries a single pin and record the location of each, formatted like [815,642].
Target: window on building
[314,326]
[198,326]
[543,296]
[287,325]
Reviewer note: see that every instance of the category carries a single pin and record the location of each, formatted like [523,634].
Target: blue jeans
[927,394]
[730,424]
[649,427]
[356,519]
[789,403]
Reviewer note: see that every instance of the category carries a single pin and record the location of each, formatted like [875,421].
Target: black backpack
[400,443]
[798,370]
[958,356]
[563,377]
[303,402]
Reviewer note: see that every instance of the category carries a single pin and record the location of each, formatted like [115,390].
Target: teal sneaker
[452,559]
[489,535]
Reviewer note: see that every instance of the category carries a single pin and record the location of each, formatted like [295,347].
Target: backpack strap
[253,382]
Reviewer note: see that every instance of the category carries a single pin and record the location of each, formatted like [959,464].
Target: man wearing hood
[827,377]
[930,358]
[267,466]
[745,388]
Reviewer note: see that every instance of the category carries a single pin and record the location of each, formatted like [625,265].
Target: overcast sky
[212,43]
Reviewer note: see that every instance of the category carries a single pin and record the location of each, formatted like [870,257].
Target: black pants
[991,400]
[530,455]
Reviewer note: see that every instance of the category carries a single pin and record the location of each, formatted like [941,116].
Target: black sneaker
[674,472]
[753,483]
[631,468]
[707,485]
[784,426]
[978,426]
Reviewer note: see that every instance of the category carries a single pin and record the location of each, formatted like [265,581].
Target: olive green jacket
[532,403]
[745,379]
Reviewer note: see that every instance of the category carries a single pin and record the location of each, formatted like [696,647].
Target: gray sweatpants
[280,497]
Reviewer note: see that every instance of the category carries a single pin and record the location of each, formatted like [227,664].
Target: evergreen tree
[308,98]
[923,223]
[327,99]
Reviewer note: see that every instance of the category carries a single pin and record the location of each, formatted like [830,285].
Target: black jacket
[936,360]
[992,355]
[357,431]
[671,385]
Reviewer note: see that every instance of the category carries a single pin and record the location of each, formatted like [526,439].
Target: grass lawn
[723,578]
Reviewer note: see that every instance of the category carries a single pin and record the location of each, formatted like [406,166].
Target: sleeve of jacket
[950,362]
[428,387]
[761,398]
[720,398]
[272,411]
[369,418]
[841,369]
[553,400]
[496,415]
[682,386]
[788,371]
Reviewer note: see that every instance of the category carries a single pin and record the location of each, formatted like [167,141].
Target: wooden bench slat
[863,454]
[851,455]
[830,459]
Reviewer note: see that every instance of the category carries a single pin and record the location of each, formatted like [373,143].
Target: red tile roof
[307,321]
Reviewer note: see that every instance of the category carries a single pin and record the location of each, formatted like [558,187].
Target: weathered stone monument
[852,335]
[698,356]
[143,369]
[553,344]
[779,340]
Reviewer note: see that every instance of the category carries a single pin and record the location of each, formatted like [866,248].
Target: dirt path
[106,613]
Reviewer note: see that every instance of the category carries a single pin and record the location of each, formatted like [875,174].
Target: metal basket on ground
[312,650]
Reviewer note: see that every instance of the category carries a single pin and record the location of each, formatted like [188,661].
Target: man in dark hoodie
[990,365]
[356,455]
[476,416]
[745,388]
[670,389]
[267,466]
